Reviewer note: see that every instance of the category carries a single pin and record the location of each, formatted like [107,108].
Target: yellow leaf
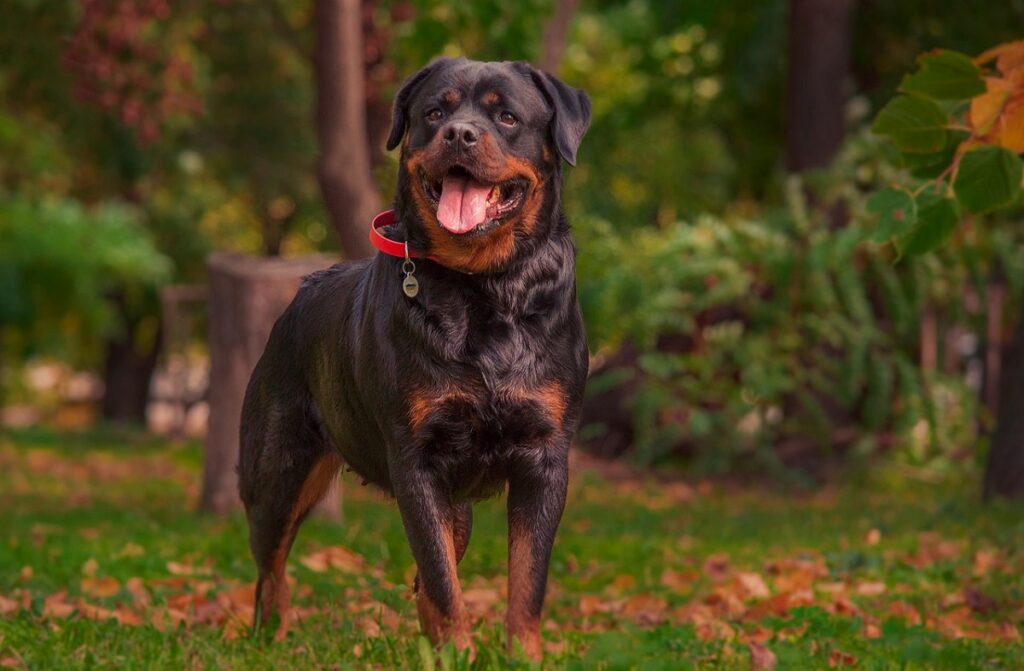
[999,52]
[1009,129]
[987,107]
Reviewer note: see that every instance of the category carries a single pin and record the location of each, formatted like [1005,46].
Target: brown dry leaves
[728,603]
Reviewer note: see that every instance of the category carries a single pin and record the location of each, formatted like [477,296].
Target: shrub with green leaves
[767,332]
[958,124]
[60,263]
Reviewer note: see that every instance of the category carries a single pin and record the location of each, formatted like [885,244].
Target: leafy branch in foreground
[959,127]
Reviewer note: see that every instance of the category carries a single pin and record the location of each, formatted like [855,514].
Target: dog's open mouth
[465,204]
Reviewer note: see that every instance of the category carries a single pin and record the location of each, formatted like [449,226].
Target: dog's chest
[474,435]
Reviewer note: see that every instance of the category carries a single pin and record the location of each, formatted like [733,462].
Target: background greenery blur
[737,318]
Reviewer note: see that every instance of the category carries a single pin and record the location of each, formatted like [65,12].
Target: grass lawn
[104,564]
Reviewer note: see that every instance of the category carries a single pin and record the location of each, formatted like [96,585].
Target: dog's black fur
[442,398]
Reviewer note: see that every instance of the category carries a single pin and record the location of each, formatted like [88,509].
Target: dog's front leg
[431,522]
[536,498]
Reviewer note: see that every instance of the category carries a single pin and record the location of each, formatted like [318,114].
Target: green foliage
[988,178]
[897,211]
[945,75]
[935,222]
[915,125]
[750,331]
[61,264]
[953,125]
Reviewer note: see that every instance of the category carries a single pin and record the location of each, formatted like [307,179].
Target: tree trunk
[343,167]
[818,68]
[556,32]
[247,295]
[1004,473]
[129,361]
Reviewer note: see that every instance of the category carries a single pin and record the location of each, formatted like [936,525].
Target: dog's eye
[508,119]
[434,115]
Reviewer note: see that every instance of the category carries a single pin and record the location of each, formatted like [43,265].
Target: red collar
[387,245]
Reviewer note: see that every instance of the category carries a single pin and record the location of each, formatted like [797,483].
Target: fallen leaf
[645,609]
[831,587]
[905,611]
[679,581]
[590,605]
[176,568]
[754,585]
[481,600]
[839,658]
[8,606]
[716,567]
[873,537]
[985,561]
[140,595]
[843,606]
[622,582]
[90,567]
[131,550]
[56,606]
[761,658]
[715,630]
[870,588]
[100,587]
[979,602]
[336,557]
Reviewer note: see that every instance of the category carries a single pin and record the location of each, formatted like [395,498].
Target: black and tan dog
[443,377]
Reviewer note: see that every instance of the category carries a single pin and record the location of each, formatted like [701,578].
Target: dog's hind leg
[273,524]
[285,468]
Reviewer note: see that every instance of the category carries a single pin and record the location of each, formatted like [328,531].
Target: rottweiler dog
[442,371]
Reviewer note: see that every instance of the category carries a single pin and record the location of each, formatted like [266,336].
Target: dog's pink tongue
[463,204]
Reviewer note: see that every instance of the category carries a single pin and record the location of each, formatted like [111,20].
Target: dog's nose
[460,134]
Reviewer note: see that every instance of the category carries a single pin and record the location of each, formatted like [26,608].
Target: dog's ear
[400,114]
[572,112]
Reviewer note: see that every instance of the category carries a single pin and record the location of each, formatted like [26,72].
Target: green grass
[632,585]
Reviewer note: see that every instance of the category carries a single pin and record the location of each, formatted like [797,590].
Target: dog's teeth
[493,196]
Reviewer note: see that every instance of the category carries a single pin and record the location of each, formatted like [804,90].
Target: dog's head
[480,166]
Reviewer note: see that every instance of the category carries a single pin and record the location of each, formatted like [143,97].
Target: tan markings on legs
[276,594]
[436,626]
[551,397]
[521,626]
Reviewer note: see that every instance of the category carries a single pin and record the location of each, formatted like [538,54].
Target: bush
[60,265]
[767,337]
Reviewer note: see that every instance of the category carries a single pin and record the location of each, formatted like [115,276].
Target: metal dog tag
[411,286]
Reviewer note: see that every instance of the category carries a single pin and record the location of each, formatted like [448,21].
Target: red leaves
[126,59]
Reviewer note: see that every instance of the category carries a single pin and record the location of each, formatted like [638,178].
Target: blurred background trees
[738,320]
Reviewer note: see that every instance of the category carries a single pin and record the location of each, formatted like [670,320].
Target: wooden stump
[247,295]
